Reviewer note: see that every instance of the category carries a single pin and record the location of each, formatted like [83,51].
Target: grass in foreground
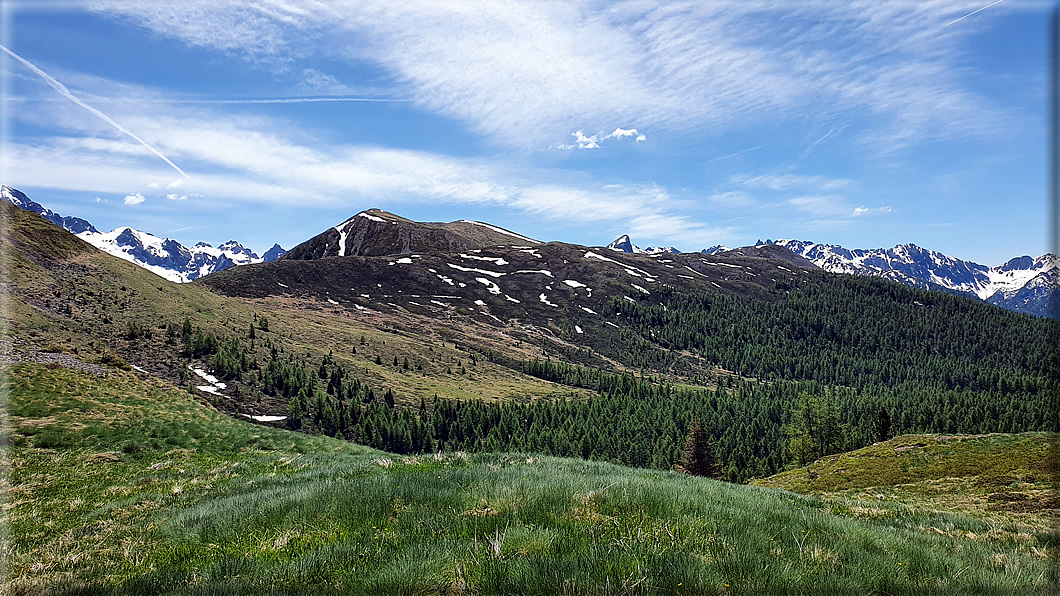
[124,486]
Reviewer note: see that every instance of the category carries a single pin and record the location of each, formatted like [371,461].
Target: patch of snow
[209,389]
[405,260]
[501,231]
[490,286]
[441,303]
[578,329]
[539,271]
[510,299]
[612,324]
[207,377]
[333,302]
[266,418]
[640,288]
[480,303]
[544,299]
[530,251]
[365,214]
[473,270]
[498,260]
[341,229]
[574,284]
[134,367]
[281,285]
[592,255]
[589,310]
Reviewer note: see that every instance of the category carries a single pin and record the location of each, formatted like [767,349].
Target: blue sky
[864,123]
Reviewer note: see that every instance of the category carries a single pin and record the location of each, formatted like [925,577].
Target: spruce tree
[882,426]
[698,458]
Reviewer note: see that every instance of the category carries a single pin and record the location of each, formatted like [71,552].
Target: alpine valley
[395,406]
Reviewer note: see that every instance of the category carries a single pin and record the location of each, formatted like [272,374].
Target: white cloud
[679,67]
[583,142]
[175,197]
[863,210]
[154,185]
[134,199]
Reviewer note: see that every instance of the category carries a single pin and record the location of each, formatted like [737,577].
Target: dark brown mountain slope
[375,232]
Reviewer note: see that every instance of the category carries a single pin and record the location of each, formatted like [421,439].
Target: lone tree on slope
[698,458]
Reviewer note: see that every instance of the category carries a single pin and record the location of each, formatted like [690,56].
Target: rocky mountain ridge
[163,256]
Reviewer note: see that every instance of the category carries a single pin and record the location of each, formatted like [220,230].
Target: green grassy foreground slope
[121,485]
[1006,480]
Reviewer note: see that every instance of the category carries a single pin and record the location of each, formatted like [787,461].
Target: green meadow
[118,485]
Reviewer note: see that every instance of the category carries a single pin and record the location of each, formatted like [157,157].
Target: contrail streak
[287,100]
[68,95]
[973,12]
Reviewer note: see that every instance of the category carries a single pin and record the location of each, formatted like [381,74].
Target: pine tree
[882,426]
[698,458]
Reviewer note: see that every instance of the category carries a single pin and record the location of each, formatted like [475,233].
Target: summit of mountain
[375,232]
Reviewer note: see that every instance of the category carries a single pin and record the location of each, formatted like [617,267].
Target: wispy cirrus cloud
[528,72]
[834,207]
[779,182]
[262,160]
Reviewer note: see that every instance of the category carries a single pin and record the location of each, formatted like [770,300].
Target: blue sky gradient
[866,124]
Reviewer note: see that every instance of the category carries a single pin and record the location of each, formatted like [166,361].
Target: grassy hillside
[123,485]
[1007,480]
[66,296]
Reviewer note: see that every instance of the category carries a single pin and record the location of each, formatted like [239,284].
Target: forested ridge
[853,331]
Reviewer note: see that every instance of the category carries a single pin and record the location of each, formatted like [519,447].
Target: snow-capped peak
[624,244]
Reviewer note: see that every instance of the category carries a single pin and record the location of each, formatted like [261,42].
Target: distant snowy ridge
[161,256]
[19,199]
[1023,284]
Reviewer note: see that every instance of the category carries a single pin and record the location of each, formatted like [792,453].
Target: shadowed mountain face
[546,281]
[375,233]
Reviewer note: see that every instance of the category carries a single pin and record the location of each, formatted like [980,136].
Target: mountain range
[165,257]
[1023,284]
